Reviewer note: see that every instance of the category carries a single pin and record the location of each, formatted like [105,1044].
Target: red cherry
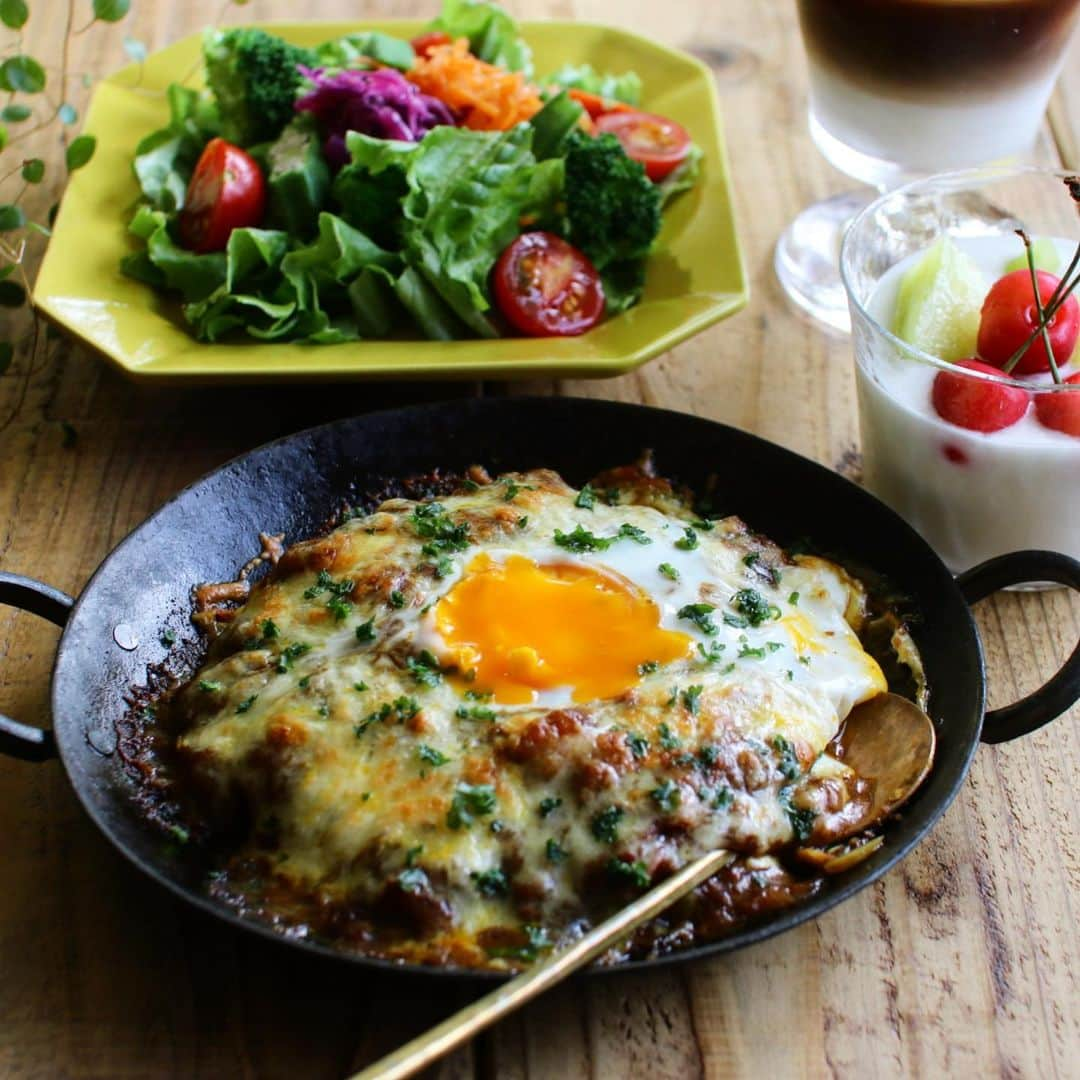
[1061,410]
[1009,318]
[977,404]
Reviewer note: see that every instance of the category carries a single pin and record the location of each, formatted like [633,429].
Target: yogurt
[972,495]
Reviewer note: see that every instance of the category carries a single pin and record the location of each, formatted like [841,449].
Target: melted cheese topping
[485,713]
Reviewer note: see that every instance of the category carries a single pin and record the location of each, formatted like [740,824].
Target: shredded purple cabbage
[381,103]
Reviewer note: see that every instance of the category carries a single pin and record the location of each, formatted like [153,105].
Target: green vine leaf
[33,170]
[22,73]
[80,152]
[135,49]
[15,114]
[11,217]
[67,114]
[13,13]
[12,294]
[111,10]
[7,354]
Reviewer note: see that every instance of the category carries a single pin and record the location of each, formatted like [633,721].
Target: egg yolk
[523,627]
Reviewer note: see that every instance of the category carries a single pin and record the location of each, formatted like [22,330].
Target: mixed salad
[374,187]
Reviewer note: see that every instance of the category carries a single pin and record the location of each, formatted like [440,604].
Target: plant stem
[1043,321]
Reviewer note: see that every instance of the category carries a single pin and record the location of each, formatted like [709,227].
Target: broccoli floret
[254,79]
[612,207]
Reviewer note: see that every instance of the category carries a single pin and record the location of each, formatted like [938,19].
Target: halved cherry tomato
[595,105]
[226,192]
[660,144]
[423,44]
[546,288]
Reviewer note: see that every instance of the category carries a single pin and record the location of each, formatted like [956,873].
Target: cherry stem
[1043,320]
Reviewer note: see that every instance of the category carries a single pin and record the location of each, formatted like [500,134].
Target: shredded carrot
[486,97]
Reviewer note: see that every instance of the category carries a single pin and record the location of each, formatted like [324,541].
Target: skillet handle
[21,740]
[1063,690]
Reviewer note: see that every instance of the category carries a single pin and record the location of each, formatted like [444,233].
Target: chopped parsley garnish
[479,695]
[549,805]
[639,745]
[586,498]
[396,599]
[724,798]
[752,559]
[708,755]
[689,540]
[740,622]
[536,940]
[711,655]
[522,521]
[632,532]
[323,581]
[168,637]
[270,630]
[804,660]
[647,667]
[746,652]
[209,686]
[402,708]
[360,687]
[413,854]
[635,872]
[668,571]
[605,823]
[513,488]
[365,632]
[474,712]
[304,683]
[289,654]
[413,880]
[470,801]
[179,834]
[668,739]
[430,756]
[323,710]
[246,703]
[434,525]
[802,821]
[556,853]
[788,759]
[424,668]
[691,697]
[339,608]
[700,615]
[754,606]
[666,796]
[581,540]
[469,484]
[793,599]
[490,883]
[613,496]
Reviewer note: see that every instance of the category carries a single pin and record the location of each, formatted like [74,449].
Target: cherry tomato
[1009,318]
[597,106]
[227,192]
[546,288]
[977,404]
[660,144]
[1061,410]
[423,44]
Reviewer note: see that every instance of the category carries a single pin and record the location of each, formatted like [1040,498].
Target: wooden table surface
[964,961]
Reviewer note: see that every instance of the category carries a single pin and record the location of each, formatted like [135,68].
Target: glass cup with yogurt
[902,88]
[971,493]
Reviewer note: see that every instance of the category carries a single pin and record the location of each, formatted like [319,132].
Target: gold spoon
[887,740]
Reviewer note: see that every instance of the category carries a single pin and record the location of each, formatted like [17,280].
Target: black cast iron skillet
[114,630]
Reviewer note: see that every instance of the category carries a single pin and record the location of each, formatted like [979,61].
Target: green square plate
[695,277]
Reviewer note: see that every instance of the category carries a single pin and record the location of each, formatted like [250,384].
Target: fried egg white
[486,702]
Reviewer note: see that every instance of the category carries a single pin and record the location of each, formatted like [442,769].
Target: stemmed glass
[905,88]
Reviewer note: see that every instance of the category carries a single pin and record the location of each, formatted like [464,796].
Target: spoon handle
[468,1022]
